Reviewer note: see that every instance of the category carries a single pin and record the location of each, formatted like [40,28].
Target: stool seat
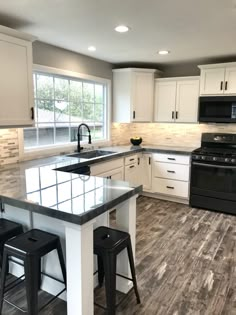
[109,239]
[108,243]
[30,247]
[33,242]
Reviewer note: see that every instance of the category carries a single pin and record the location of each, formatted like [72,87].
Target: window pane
[88,92]
[61,89]
[46,134]
[73,133]
[98,93]
[45,111]
[76,111]
[88,111]
[30,137]
[62,133]
[62,111]
[98,114]
[75,91]
[44,87]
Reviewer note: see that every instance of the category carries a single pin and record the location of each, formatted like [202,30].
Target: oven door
[213,180]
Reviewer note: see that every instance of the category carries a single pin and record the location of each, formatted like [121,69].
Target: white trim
[218,65]
[177,78]
[137,70]
[48,150]
[68,73]
[20,35]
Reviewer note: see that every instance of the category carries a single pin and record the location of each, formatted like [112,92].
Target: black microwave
[218,109]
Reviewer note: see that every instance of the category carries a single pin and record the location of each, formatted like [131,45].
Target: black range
[213,173]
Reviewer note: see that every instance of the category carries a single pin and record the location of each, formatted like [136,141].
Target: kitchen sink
[91,154]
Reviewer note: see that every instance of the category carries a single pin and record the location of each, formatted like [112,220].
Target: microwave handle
[214,165]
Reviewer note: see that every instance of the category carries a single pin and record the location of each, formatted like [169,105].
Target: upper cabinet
[16,79]
[218,79]
[133,95]
[176,99]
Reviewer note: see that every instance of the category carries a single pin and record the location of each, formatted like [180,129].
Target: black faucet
[79,148]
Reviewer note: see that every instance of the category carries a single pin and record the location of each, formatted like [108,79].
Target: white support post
[79,261]
[126,221]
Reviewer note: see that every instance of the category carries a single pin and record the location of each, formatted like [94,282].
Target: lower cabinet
[116,174]
[171,175]
[131,169]
[145,171]
[112,169]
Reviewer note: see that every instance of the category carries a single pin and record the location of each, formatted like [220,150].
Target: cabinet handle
[170,187]
[149,160]
[171,171]
[176,115]
[138,161]
[131,166]
[32,113]
[171,159]
[221,85]
[131,159]
[134,114]
[226,85]
[173,114]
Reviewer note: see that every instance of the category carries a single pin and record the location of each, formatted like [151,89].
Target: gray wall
[52,56]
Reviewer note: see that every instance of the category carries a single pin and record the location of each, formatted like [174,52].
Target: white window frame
[48,150]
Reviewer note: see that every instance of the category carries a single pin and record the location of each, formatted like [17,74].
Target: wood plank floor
[185,262]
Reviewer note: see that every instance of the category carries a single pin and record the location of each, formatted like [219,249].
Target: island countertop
[66,196]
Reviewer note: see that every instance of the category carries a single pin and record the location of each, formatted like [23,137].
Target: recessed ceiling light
[163,52]
[122,28]
[91,48]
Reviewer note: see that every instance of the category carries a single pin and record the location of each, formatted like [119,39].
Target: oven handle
[213,165]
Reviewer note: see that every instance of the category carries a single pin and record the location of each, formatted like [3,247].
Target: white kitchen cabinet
[170,175]
[106,167]
[116,174]
[176,100]
[16,79]
[145,171]
[218,79]
[133,95]
[131,173]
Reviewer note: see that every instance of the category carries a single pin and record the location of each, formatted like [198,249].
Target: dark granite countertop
[66,196]
[44,186]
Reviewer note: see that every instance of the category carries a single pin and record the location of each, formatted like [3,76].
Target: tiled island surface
[71,206]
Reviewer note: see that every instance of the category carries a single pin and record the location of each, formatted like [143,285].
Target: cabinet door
[16,87]
[230,80]
[187,101]
[145,171]
[165,94]
[131,174]
[142,96]
[212,81]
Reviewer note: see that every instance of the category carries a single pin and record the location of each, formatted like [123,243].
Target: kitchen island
[70,206]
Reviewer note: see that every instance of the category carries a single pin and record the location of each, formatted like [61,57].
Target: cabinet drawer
[170,187]
[171,158]
[132,159]
[171,171]
[105,166]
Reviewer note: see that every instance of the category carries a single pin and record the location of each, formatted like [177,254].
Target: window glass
[61,104]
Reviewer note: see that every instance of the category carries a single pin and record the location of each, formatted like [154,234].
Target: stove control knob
[226,160]
[214,158]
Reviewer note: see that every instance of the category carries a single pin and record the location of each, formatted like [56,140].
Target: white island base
[77,243]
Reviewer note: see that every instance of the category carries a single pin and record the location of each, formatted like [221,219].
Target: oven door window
[214,181]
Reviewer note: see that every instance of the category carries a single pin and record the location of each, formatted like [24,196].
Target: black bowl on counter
[136,141]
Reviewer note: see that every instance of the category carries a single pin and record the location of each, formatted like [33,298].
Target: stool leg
[100,271]
[31,283]
[39,272]
[132,269]
[62,261]
[110,282]
[3,278]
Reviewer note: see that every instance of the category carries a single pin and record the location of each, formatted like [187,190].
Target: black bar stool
[30,247]
[8,229]
[108,243]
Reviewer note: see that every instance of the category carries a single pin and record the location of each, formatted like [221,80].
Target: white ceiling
[190,29]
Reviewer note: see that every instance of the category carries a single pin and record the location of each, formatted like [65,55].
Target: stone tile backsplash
[9,146]
[152,133]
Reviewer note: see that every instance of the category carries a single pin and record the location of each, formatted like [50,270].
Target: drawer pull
[171,159]
[131,159]
[171,171]
[170,187]
[131,166]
